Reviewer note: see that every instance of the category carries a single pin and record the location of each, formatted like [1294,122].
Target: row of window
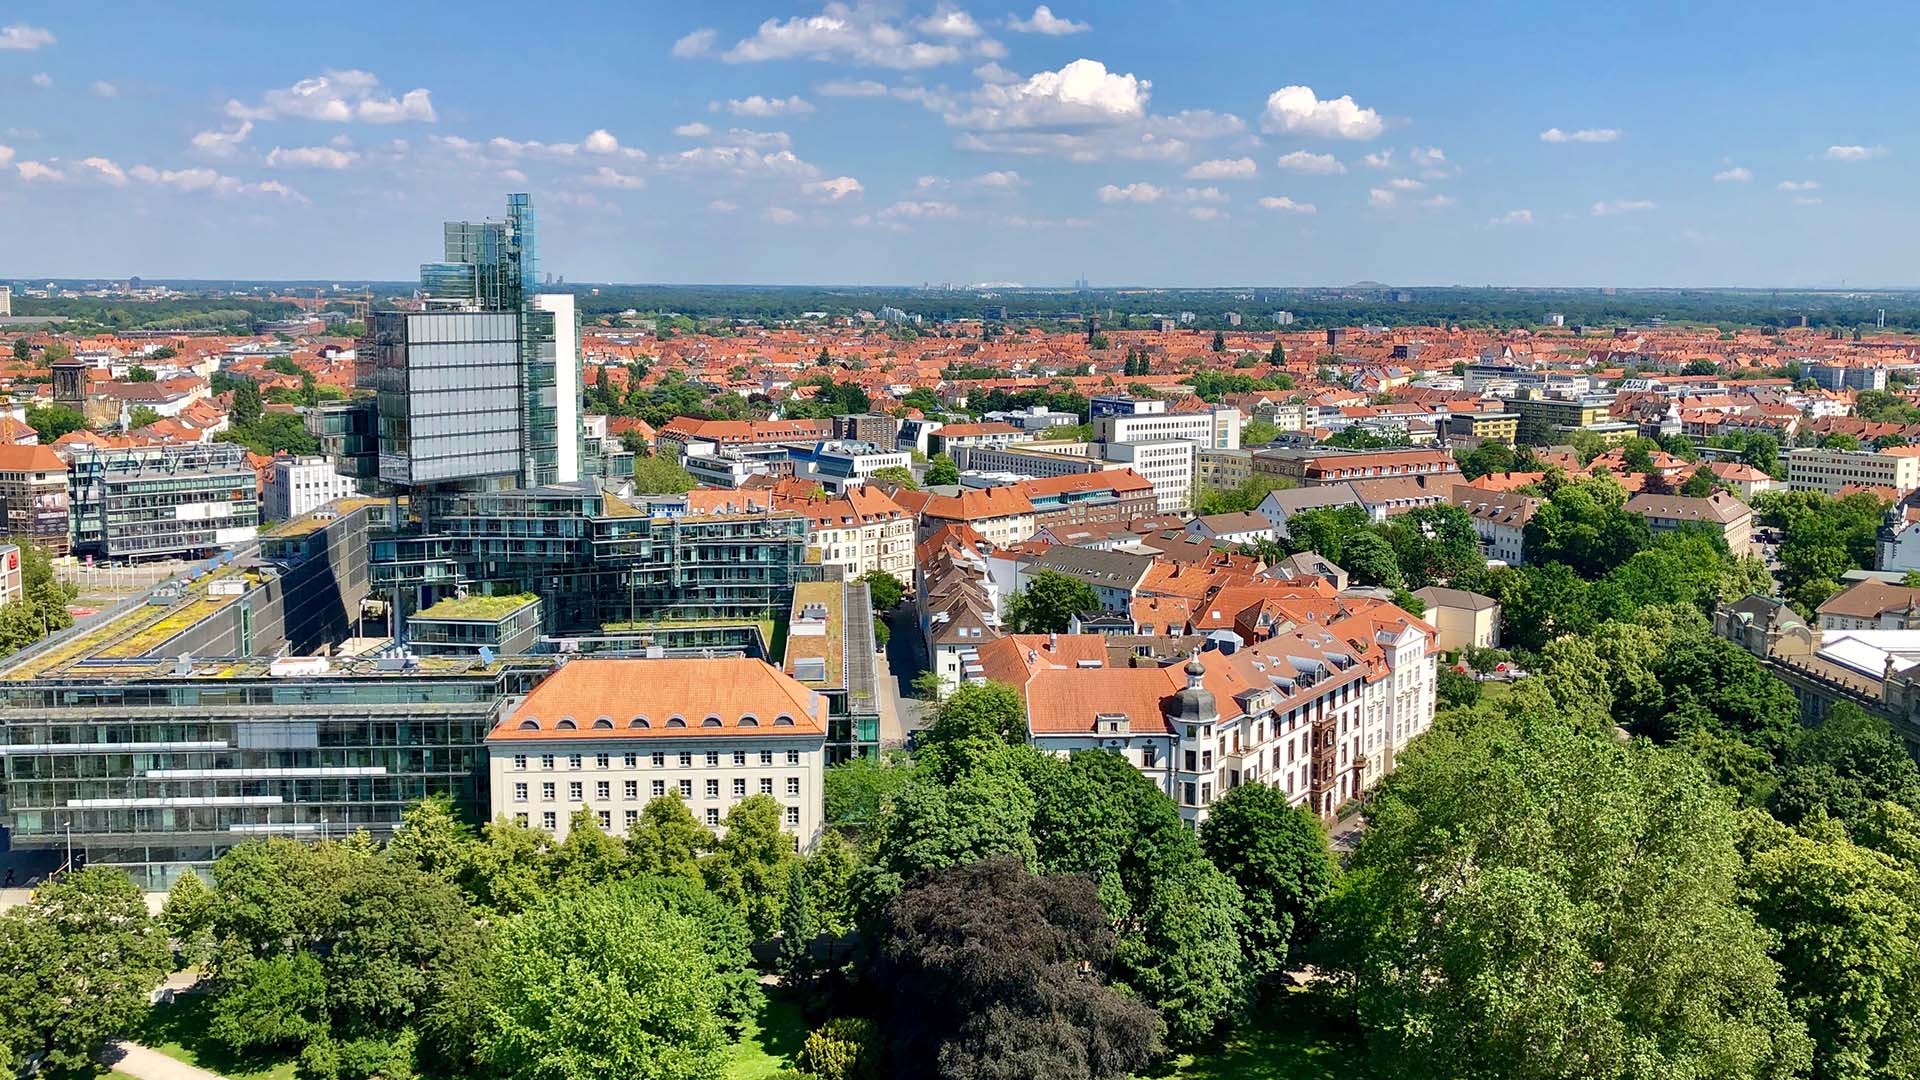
[658,759]
[630,790]
[550,819]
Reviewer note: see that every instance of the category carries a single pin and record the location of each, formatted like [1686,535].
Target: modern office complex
[157,501]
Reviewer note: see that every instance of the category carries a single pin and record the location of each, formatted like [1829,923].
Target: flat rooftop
[477,608]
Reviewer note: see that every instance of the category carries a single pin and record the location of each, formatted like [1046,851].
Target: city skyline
[916,143]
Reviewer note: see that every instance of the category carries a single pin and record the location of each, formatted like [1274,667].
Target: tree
[798,930]
[988,971]
[897,475]
[1456,689]
[1278,855]
[140,416]
[855,791]
[979,711]
[1219,341]
[666,841]
[432,839]
[80,958]
[886,590]
[22,349]
[659,474]
[843,1048]
[1258,433]
[246,402]
[750,864]
[1699,485]
[1049,602]
[1369,560]
[138,373]
[588,856]
[1278,354]
[941,470]
[188,916]
[602,983]
[1843,769]
[52,421]
[271,1003]
[1534,898]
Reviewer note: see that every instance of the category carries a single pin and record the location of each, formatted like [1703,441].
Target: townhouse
[859,532]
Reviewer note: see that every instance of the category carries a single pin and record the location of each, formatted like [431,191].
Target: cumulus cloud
[339,97]
[311,157]
[1853,153]
[910,210]
[1621,206]
[1586,135]
[999,180]
[42,80]
[1206,213]
[1083,93]
[740,161]
[105,170]
[1140,192]
[1738,174]
[1286,205]
[1224,169]
[698,43]
[25,38]
[1432,162]
[600,141]
[1403,183]
[1311,164]
[1044,21]
[754,140]
[860,34]
[6,155]
[35,172]
[222,143]
[1513,217]
[839,187]
[1437,202]
[723,206]
[1379,159]
[1297,110]
[695,130]
[780,215]
[104,89]
[851,88]
[607,176]
[765,106]
[191,181]
[1380,197]
[1798,185]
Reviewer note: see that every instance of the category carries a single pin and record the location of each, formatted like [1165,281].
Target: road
[906,659]
[138,1061]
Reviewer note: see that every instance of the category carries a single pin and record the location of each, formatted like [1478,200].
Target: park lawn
[179,1030]
[1287,1039]
[771,1041]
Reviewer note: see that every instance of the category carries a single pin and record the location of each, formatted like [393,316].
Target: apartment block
[1827,471]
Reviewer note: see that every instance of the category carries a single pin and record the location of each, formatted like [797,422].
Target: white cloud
[600,141]
[910,209]
[1621,206]
[311,157]
[722,206]
[1738,174]
[1311,164]
[931,183]
[104,89]
[999,180]
[780,215]
[1287,205]
[222,143]
[740,161]
[1437,202]
[6,155]
[35,172]
[765,106]
[339,97]
[190,181]
[1379,159]
[1432,162]
[42,80]
[1044,21]
[992,72]
[1083,93]
[1402,183]
[25,38]
[513,176]
[1224,169]
[861,34]
[1513,217]
[1798,185]
[1853,153]
[851,88]
[754,140]
[1380,197]
[608,177]
[1586,135]
[698,43]
[1205,194]
[1297,110]
[1206,213]
[105,170]
[840,187]
[950,22]
[1140,192]
[695,130]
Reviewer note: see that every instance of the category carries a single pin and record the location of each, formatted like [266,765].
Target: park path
[144,1064]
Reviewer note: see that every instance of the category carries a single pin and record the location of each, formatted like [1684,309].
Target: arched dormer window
[783,720]
[529,724]
[749,720]
[640,722]
[605,723]
[676,721]
[566,724]
[711,721]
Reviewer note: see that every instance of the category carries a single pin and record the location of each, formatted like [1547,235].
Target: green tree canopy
[1049,603]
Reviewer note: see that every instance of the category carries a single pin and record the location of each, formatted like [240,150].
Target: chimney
[1053,642]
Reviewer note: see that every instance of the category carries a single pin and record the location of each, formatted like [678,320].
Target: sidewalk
[138,1061]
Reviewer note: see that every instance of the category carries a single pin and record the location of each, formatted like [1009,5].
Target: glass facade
[153,501]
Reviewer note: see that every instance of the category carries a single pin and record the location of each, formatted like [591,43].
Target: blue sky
[1159,143]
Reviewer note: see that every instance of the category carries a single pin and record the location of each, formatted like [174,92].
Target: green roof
[481,608]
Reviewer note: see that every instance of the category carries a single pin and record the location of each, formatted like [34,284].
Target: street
[906,659]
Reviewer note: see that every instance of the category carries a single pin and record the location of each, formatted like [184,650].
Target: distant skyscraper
[482,387]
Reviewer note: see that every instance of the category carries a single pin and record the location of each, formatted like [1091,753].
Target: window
[548,820]
[546,761]
[606,819]
[546,792]
[1193,761]
[793,785]
[713,789]
[1146,757]
[632,761]
[793,757]
[601,761]
[739,786]
[603,790]
[686,789]
[631,790]
[573,761]
[520,761]
[632,817]
[739,757]
[793,815]
[659,760]
[686,760]
[713,816]
[575,792]
[659,788]
[519,793]
[766,757]
[713,759]
[1186,793]
[766,785]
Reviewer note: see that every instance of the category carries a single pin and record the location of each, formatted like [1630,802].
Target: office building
[875,428]
[1844,376]
[1149,420]
[1167,464]
[33,495]
[840,465]
[1828,470]
[296,485]
[155,501]
[610,735]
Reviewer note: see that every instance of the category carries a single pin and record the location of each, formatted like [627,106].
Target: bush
[1456,688]
[843,1048]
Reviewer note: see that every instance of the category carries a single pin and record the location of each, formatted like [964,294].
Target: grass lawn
[1287,1039]
[770,1043]
[179,1031]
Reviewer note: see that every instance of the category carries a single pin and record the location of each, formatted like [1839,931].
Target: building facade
[300,484]
[33,495]
[172,500]
[1827,471]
